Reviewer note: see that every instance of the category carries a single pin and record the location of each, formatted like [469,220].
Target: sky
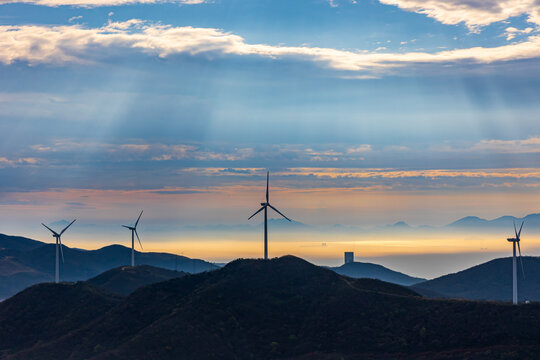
[365,112]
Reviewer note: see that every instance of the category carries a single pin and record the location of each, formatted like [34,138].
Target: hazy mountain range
[255,309]
[532,221]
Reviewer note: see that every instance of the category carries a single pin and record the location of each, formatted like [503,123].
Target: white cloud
[511,32]
[35,44]
[72,19]
[359,149]
[96,3]
[473,13]
[5,162]
[523,146]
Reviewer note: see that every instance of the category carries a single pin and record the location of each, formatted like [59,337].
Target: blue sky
[171,104]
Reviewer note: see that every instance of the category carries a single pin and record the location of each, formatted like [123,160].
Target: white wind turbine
[515,241]
[264,207]
[133,233]
[57,236]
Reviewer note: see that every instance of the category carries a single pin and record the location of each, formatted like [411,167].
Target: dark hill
[374,271]
[18,243]
[126,279]
[287,308]
[45,312]
[24,262]
[489,281]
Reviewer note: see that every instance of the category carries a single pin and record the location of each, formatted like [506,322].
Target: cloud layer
[35,44]
[95,3]
[473,13]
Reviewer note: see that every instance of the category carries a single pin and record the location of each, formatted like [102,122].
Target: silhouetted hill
[374,271]
[45,312]
[126,279]
[489,281]
[25,262]
[284,308]
[18,243]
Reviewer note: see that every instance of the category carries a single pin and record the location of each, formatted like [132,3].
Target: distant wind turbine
[264,207]
[57,236]
[134,232]
[514,268]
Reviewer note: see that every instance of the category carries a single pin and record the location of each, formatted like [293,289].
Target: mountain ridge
[30,262]
[491,280]
[375,271]
[281,308]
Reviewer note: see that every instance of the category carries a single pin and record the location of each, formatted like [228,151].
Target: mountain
[18,243]
[489,281]
[531,221]
[278,224]
[374,271]
[45,312]
[282,308]
[126,279]
[469,221]
[400,225]
[25,262]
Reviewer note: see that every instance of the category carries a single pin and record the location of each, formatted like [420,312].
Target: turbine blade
[267,181]
[138,239]
[521,260]
[61,232]
[521,227]
[61,251]
[258,211]
[51,230]
[139,218]
[276,210]
[515,230]
[127,227]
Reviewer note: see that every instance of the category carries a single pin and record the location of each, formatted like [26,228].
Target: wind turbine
[134,231]
[264,207]
[57,236]
[514,268]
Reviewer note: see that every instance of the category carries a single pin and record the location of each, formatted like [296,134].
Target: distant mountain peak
[531,220]
[375,271]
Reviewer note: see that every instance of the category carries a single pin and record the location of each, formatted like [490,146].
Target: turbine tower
[264,206]
[57,236]
[134,232]
[515,241]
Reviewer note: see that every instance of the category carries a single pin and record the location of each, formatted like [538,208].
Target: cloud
[72,19]
[143,151]
[179,152]
[5,162]
[336,173]
[97,3]
[36,44]
[359,149]
[530,145]
[512,32]
[473,13]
